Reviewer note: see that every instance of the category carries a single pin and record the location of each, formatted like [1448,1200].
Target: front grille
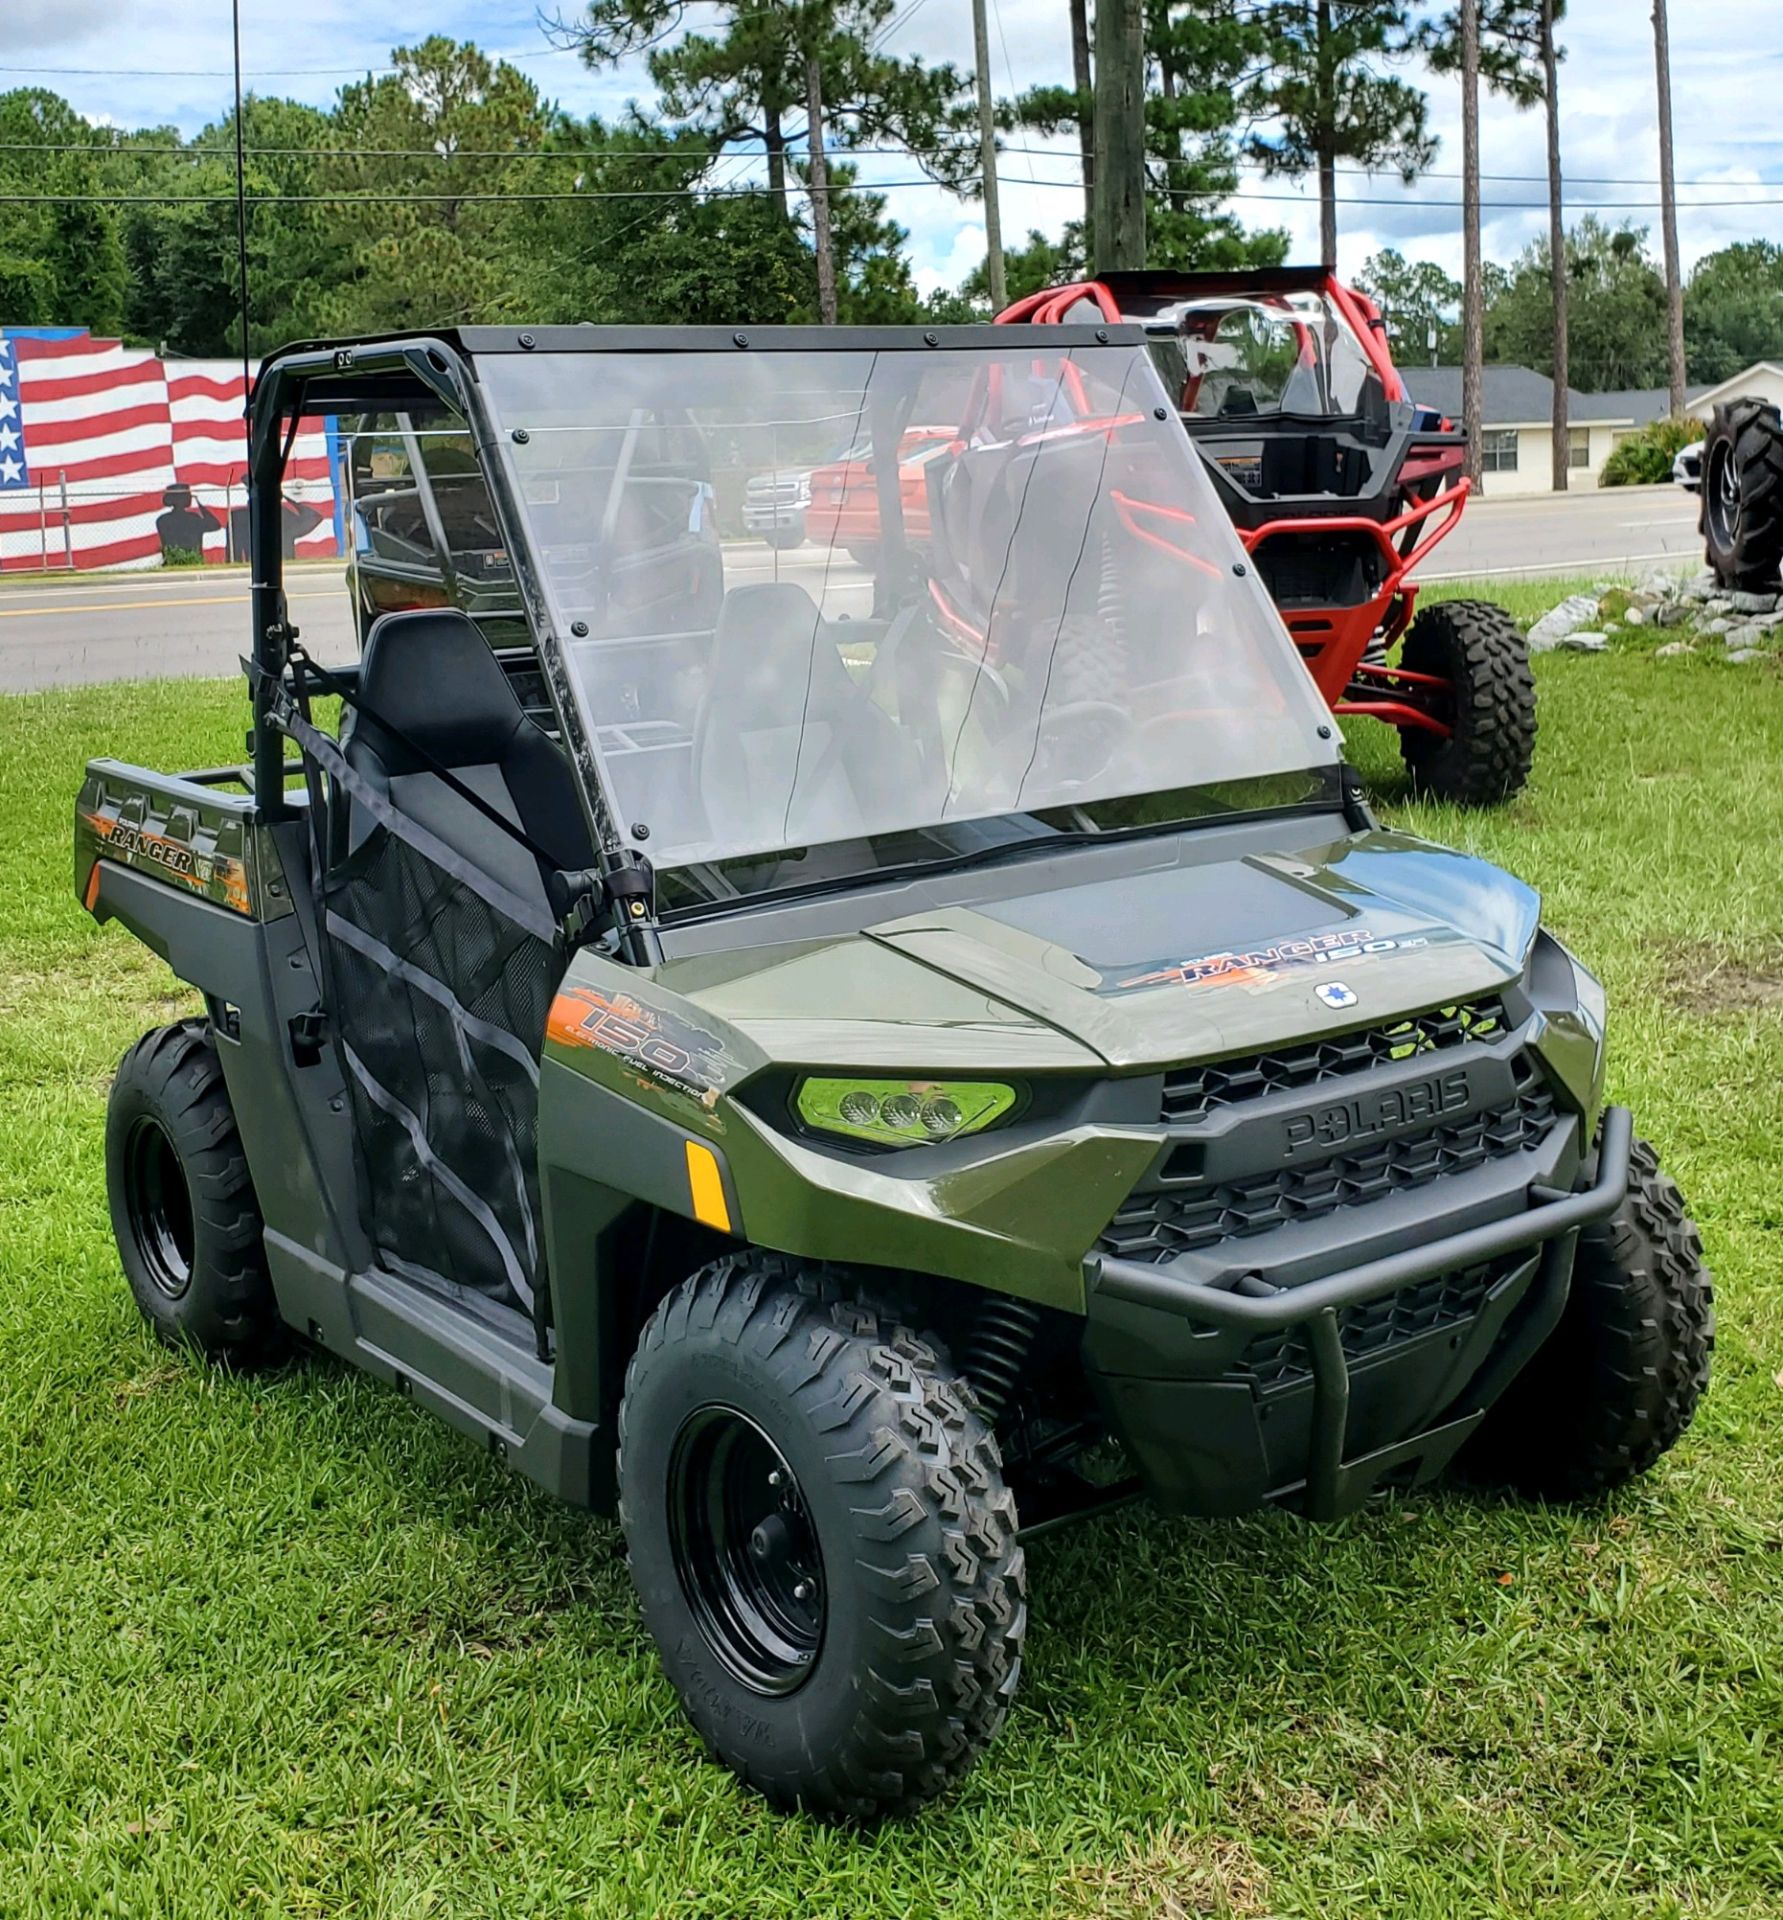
[1159,1225]
[1192,1093]
[1281,1359]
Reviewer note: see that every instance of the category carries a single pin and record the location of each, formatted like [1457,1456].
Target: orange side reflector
[706,1184]
[93,888]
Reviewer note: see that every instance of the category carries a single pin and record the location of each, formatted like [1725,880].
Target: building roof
[1521,397]
[1642,405]
[1513,396]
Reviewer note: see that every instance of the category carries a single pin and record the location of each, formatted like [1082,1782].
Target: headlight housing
[902,1113]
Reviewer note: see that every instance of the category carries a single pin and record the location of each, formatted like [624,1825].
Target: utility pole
[1120,135]
[1473,292]
[1083,80]
[1668,200]
[1327,90]
[1562,417]
[820,191]
[987,160]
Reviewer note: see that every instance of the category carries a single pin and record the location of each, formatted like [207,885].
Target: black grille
[1192,1093]
[1160,1225]
[1281,1359]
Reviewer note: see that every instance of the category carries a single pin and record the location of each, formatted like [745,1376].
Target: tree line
[449,191]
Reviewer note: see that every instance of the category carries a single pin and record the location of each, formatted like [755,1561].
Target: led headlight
[903,1113]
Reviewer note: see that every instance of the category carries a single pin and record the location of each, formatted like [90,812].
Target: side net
[440,981]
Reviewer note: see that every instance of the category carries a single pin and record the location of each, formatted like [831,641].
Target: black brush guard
[1336,1484]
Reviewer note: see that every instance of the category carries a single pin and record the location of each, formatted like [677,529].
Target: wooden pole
[1668,202]
[1562,418]
[987,160]
[1120,135]
[1473,300]
[819,168]
[1084,81]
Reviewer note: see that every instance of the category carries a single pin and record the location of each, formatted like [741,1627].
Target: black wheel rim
[1722,491]
[745,1551]
[160,1205]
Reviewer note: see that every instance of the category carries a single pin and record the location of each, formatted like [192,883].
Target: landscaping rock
[1752,602]
[1717,630]
[1636,616]
[1744,636]
[1672,649]
[1585,643]
[1673,614]
[1744,656]
[1567,618]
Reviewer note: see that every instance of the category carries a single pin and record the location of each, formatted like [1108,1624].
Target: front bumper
[1198,1440]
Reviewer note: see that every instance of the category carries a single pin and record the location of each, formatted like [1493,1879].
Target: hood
[1184,962]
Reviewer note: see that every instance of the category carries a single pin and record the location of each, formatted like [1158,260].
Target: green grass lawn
[285,1646]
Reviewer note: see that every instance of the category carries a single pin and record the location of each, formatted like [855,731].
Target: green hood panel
[857,1003]
[1182,962]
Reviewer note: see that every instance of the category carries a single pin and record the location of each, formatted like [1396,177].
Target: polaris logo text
[1373,1115]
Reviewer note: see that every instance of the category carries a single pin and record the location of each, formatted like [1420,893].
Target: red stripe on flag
[41,434]
[29,349]
[37,390]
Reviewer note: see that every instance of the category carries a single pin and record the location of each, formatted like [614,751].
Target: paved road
[170,625]
[1609,531]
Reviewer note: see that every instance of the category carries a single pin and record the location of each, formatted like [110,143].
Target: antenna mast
[241,210]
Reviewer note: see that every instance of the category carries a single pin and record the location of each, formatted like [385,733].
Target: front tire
[820,1537]
[1479,650]
[1742,495]
[182,1203]
[1620,1377]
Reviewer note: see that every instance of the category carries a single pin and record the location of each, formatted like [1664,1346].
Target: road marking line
[130,606]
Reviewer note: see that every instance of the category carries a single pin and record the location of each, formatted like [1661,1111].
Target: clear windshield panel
[826,597]
[1236,358]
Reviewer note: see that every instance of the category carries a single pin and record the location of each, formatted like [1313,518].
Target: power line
[1063,155]
[876,186]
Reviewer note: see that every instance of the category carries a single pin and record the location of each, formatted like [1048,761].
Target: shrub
[1644,459]
[181,557]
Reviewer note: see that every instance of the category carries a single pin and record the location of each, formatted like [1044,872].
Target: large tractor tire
[1620,1377]
[1742,495]
[820,1537]
[1479,650]
[182,1203]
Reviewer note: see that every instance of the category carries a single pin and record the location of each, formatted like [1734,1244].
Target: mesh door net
[440,981]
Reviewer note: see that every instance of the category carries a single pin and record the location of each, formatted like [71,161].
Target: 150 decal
[619,1025]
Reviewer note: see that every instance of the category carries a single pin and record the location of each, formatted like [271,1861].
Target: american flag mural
[108,458]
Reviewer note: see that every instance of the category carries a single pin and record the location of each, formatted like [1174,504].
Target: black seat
[431,675]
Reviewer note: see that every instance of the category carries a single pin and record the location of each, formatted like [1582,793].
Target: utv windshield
[1012,593]
[1234,359]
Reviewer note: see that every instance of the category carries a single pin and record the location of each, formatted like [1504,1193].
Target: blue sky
[159,62]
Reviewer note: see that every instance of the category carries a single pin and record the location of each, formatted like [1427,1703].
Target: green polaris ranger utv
[850,1066]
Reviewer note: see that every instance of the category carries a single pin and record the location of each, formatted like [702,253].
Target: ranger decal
[221,879]
[1263,967]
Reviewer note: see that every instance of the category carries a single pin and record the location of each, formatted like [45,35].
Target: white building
[1519,403]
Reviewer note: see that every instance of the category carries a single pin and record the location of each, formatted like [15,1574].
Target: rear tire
[1480,651]
[820,1537]
[182,1203]
[1742,495]
[1620,1377]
